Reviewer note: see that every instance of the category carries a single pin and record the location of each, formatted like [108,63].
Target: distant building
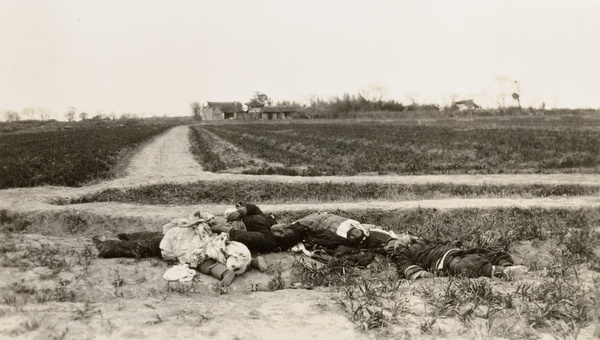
[279,111]
[222,110]
[462,105]
[255,112]
[234,110]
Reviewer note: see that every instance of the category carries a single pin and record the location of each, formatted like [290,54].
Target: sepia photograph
[340,170]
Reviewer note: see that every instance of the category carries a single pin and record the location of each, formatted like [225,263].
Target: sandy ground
[145,307]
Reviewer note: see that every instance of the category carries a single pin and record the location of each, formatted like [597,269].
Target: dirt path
[167,159]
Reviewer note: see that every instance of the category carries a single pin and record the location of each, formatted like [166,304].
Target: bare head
[281,231]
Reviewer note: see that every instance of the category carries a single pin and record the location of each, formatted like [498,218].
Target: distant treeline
[33,125]
[358,106]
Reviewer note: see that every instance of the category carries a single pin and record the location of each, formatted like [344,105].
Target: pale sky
[156,57]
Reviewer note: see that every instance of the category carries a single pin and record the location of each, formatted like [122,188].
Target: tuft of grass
[581,243]
[276,282]
[86,312]
[30,325]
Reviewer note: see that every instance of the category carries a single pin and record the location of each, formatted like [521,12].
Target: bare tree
[28,112]
[44,113]
[196,110]
[504,83]
[70,114]
[83,115]
[374,92]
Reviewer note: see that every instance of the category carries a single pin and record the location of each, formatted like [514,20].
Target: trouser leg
[148,241]
[496,258]
[116,248]
[470,265]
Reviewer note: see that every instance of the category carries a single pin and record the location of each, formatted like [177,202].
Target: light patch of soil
[129,299]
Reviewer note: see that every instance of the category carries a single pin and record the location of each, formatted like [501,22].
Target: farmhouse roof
[226,107]
[280,108]
[468,102]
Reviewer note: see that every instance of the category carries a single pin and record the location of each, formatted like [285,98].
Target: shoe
[259,263]
[228,278]
[97,242]
[515,271]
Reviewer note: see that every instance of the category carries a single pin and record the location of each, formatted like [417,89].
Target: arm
[244,209]
[256,241]
[257,236]
[251,209]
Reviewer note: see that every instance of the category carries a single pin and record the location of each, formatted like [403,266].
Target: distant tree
[70,114]
[127,116]
[259,99]
[196,110]
[44,114]
[11,116]
[374,93]
[28,112]
[83,115]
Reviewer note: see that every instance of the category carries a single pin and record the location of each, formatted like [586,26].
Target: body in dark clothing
[423,256]
[138,244]
[414,257]
[257,236]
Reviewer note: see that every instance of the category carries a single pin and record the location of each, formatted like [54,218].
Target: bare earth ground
[142,306]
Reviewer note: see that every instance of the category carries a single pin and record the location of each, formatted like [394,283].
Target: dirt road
[167,159]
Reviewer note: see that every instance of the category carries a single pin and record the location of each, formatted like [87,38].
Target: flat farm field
[68,157]
[490,145]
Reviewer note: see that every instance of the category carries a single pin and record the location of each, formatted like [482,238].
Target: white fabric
[440,263]
[180,272]
[300,248]
[391,233]
[238,257]
[189,245]
[195,244]
[345,227]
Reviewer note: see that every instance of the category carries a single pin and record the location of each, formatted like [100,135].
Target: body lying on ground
[218,252]
[418,258]
[249,225]
[414,257]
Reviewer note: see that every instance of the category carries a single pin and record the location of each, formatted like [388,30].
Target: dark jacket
[257,236]
[320,230]
[423,255]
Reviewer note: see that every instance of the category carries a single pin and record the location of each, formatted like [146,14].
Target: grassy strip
[274,192]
